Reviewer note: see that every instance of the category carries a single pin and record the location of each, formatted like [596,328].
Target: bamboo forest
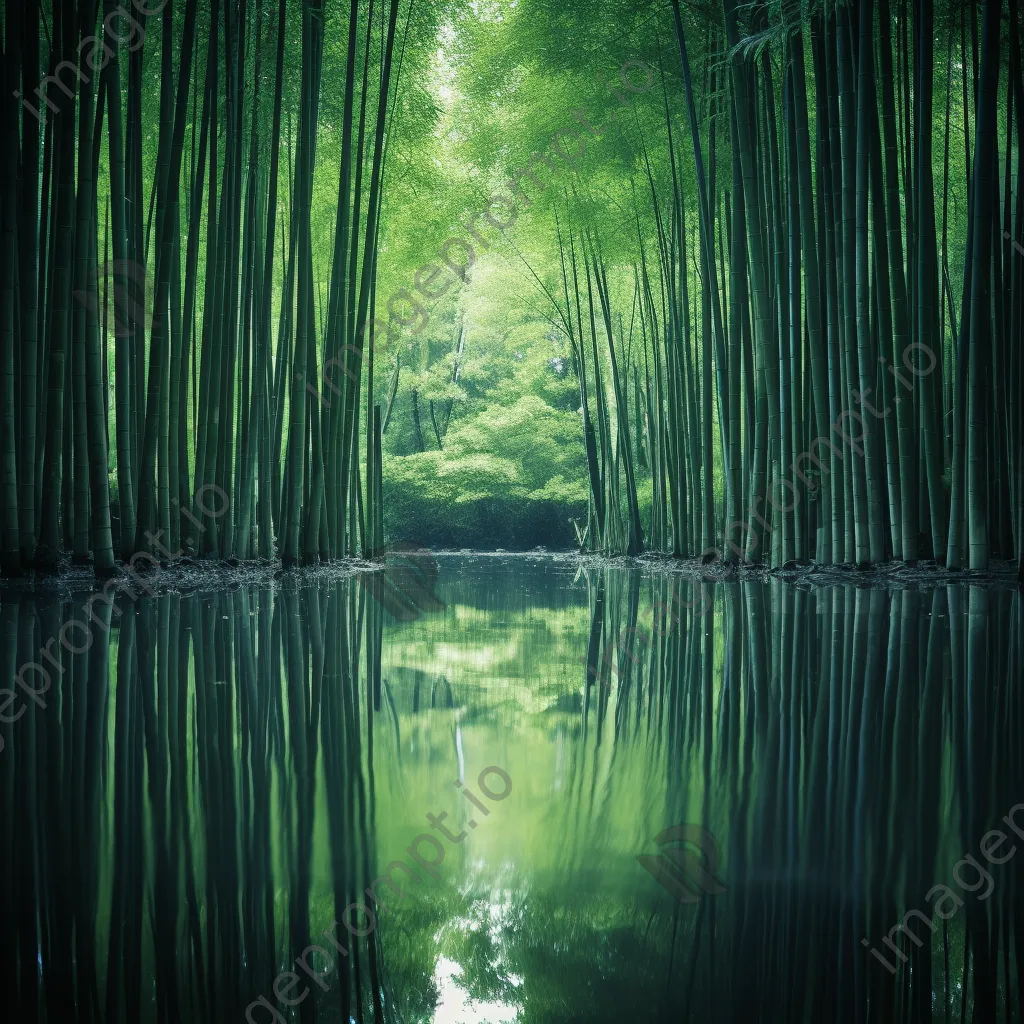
[512,511]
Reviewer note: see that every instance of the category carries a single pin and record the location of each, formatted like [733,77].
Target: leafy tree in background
[737,229]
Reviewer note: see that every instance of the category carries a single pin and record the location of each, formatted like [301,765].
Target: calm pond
[546,793]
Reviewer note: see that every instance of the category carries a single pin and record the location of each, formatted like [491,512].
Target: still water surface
[214,785]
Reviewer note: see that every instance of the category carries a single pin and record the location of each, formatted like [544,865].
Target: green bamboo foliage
[981,340]
[221,437]
[10,540]
[614,525]
[796,351]
[805,396]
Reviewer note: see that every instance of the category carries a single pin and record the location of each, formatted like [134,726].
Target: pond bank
[892,574]
[206,575]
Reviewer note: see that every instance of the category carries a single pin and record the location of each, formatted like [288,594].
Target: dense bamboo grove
[157,188]
[136,758]
[204,792]
[811,376]
[809,351]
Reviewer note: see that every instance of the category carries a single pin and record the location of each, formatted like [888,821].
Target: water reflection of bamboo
[157,854]
[846,746]
[164,812]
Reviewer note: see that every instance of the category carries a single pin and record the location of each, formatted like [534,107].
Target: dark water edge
[183,574]
[925,572]
[211,574]
[224,770]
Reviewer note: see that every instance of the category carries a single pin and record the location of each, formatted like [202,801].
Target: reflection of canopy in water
[415,690]
[221,753]
[841,744]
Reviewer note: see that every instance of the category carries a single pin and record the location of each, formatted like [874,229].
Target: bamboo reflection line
[667,616]
[406,586]
[107,597]
[287,981]
[828,698]
[945,893]
[853,728]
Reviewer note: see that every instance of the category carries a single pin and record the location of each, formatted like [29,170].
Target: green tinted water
[216,781]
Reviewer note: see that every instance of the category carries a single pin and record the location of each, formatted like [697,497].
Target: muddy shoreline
[202,575]
[886,575]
